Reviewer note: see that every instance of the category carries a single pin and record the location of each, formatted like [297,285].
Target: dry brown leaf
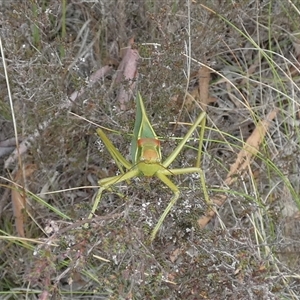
[217,200]
[200,94]
[18,199]
[250,148]
[102,72]
[127,71]
[203,88]
[174,254]
[19,206]
[241,164]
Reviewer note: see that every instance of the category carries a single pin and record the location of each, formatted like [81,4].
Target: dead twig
[66,105]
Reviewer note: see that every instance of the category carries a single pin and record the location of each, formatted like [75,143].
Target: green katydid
[147,160]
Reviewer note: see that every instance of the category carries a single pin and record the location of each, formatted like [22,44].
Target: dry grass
[250,250]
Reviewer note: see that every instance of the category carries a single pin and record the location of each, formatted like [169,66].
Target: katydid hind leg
[174,154]
[106,183]
[172,202]
[190,170]
[162,175]
[201,138]
[114,152]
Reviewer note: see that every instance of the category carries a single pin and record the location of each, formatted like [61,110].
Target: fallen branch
[67,105]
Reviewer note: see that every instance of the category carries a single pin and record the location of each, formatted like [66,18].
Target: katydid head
[148,156]
[149,149]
